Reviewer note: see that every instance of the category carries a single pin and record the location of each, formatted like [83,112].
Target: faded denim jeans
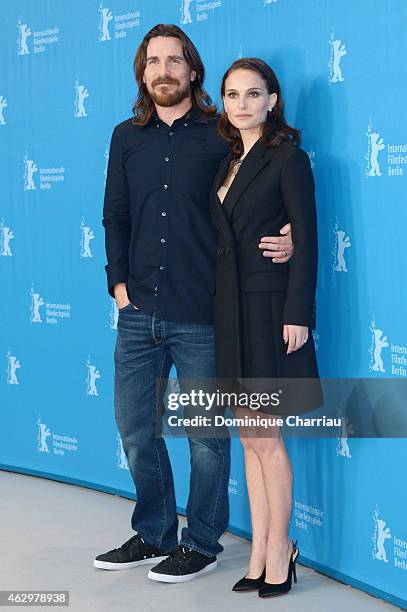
[146,348]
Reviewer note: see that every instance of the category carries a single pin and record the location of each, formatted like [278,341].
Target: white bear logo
[121,456]
[378,343]
[343,444]
[81,95]
[105,17]
[185,12]
[338,50]
[3,104]
[12,367]
[375,145]
[43,433]
[93,375]
[6,234]
[342,243]
[30,170]
[23,33]
[87,236]
[381,534]
[114,314]
[36,302]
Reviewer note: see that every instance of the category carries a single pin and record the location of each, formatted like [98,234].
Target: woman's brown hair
[144,105]
[275,129]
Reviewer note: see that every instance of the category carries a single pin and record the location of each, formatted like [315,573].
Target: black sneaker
[132,553]
[181,565]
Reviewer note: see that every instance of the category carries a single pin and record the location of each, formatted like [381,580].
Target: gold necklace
[236,166]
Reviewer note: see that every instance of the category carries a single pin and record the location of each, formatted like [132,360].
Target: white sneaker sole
[123,566]
[168,578]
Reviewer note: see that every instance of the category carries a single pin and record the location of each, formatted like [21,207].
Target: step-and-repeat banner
[65,81]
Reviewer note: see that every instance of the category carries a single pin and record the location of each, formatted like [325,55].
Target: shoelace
[134,540]
[178,555]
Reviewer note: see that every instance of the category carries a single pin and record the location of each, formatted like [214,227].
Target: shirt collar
[196,116]
[192,114]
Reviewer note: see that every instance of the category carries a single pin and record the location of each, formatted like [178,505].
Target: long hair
[144,105]
[275,128]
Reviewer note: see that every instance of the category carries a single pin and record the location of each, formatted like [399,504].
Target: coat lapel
[222,172]
[218,213]
[258,156]
[256,159]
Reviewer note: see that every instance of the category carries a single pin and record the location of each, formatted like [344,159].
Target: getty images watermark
[209,401]
[343,408]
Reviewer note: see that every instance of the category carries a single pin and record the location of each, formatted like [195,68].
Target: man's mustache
[164,81]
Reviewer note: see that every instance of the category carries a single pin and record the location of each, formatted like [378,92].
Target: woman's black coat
[273,186]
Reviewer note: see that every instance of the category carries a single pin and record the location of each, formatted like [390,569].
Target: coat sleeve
[116,215]
[298,191]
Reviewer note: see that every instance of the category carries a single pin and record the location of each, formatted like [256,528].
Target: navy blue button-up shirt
[160,240]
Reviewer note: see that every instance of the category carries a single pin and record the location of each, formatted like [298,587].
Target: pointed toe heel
[245,585]
[267,589]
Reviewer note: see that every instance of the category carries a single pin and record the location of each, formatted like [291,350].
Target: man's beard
[166,99]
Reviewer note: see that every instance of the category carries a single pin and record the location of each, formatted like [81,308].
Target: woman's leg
[259,512]
[269,483]
[277,477]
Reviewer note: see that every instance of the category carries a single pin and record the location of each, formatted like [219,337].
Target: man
[161,248]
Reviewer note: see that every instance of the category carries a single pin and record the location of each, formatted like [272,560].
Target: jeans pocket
[128,306]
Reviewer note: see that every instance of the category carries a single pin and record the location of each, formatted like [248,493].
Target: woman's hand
[295,335]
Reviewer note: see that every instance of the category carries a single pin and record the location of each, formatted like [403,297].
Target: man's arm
[280,248]
[298,189]
[116,220]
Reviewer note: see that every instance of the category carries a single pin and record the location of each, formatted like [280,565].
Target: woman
[264,311]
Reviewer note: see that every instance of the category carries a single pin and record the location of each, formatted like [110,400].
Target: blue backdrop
[65,81]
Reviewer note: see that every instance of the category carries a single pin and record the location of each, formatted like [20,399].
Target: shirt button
[162,268]
[186,124]
[165,186]
[166,159]
[158,125]
[162,240]
[170,133]
[164,214]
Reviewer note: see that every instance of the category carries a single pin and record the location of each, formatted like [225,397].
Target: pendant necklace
[236,165]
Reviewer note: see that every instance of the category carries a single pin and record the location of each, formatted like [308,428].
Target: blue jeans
[146,348]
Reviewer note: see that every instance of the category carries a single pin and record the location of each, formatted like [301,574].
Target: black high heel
[267,589]
[244,585]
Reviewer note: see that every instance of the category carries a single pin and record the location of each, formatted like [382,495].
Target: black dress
[254,297]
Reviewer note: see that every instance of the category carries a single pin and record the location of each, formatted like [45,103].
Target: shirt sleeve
[116,215]
[298,190]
